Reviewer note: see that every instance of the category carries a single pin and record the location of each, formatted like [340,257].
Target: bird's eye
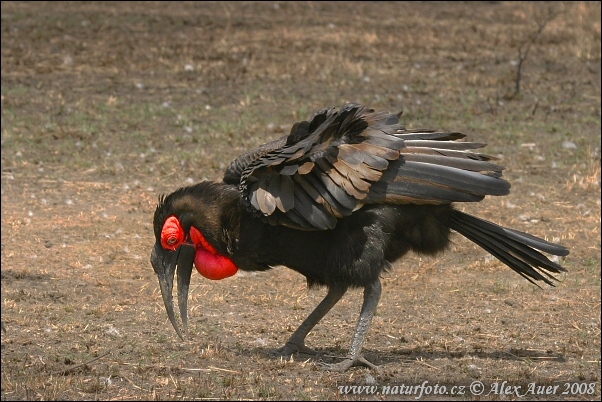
[172,234]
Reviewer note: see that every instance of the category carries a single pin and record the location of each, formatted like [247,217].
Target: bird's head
[187,227]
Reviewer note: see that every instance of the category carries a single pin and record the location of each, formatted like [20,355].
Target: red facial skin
[172,234]
[208,262]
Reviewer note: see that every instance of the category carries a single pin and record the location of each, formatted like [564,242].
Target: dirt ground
[107,105]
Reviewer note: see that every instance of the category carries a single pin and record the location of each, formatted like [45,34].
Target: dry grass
[105,106]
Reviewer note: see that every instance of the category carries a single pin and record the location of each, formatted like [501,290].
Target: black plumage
[339,199]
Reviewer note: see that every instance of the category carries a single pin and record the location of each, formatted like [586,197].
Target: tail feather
[516,249]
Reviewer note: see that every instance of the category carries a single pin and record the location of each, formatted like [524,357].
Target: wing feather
[339,160]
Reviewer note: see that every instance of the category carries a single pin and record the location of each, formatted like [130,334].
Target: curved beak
[165,263]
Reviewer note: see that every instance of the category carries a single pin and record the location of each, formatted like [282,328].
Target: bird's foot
[291,348]
[348,363]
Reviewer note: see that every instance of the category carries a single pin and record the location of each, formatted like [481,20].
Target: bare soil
[107,105]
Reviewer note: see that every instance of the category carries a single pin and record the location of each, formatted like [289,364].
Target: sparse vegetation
[107,105]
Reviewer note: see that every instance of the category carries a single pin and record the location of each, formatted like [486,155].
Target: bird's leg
[296,343]
[354,358]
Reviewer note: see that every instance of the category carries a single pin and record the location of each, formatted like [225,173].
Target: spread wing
[340,160]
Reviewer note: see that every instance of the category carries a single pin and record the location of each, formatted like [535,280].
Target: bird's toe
[347,363]
[291,348]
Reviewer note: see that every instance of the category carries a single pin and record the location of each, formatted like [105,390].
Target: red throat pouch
[208,262]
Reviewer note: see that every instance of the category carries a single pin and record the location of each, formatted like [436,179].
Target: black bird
[339,199]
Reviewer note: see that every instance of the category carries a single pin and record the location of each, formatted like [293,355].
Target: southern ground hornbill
[339,199]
